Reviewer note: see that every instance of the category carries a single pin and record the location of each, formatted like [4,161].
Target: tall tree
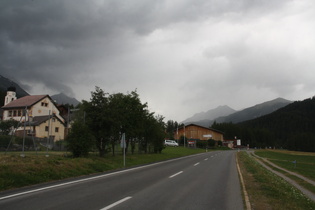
[109,116]
[126,115]
[97,111]
[80,140]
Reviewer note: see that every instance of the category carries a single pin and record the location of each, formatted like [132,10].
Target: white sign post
[238,142]
[123,146]
[207,136]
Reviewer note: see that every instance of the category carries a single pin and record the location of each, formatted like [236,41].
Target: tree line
[291,127]
[100,123]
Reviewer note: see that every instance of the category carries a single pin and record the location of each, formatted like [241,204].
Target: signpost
[238,142]
[123,146]
[207,136]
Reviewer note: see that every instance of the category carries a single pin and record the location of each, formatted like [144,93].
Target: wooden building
[197,132]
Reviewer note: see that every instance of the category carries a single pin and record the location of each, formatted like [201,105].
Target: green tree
[7,126]
[109,116]
[96,118]
[154,134]
[127,114]
[171,128]
[80,140]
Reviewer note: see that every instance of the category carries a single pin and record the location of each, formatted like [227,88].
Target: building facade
[197,132]
[37,114]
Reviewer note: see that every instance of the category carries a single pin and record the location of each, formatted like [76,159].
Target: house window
[45,104]
[46,128]
[14,113]
[19,113]
[56,129]
[10,114]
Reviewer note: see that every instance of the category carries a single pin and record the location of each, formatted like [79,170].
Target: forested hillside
[291,127]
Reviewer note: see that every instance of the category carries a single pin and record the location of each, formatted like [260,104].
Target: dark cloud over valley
[182,57]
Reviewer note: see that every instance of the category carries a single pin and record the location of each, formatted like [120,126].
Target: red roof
[26,101]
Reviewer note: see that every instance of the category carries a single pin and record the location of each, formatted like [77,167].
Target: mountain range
[20,92]
[64,99]
[291,127]
[226,114]
[206,119]
[5,83]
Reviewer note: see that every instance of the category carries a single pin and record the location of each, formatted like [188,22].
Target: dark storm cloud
[66,45]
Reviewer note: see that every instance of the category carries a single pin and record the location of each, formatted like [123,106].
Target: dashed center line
[176,174]
[196,164]
[206,159]
[116,203]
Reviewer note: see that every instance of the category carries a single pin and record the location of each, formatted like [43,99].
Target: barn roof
[202,127]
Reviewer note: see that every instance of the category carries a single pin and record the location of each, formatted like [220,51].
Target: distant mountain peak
[62,98]
[5,83]
[211,114]
[226,114]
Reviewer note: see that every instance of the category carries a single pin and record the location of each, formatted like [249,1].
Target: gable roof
[41,119]
[211,129]
[26,101]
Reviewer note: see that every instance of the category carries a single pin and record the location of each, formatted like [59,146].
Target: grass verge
[268,191]
[16,171]
[305,162]
[298,180]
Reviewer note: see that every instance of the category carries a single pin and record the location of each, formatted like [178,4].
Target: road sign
[123,141]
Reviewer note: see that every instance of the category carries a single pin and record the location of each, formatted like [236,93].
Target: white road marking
[196,164]
[206,159]
[176,174]
[116,203]
[91,178]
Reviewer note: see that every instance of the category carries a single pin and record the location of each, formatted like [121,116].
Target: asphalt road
[206,181]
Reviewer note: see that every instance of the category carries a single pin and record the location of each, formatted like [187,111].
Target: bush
[4,142]
[80,140]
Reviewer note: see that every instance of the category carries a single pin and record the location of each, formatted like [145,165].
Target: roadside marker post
[123,146]
[294,162]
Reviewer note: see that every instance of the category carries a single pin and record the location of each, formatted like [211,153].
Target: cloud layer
[182,57]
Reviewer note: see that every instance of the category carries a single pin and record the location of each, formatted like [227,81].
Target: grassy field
[268,191]
[34,168]
[305,162]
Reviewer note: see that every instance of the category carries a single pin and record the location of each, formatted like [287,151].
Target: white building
[39,112]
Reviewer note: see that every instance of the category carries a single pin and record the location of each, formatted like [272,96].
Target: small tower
[11,95]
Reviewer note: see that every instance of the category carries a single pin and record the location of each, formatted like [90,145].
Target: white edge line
[247,202]
[116,203]
[91,178]
[176,174]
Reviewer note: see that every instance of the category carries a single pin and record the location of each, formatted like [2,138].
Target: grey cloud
[63,44]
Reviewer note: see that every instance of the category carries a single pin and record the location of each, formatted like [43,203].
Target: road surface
[205,181]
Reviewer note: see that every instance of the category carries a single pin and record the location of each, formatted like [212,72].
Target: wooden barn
[197,132]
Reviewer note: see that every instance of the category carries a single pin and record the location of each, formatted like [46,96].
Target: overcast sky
[182,56]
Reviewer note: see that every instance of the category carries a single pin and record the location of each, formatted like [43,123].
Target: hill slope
[291,127]
[210,115]
[223,114]
[255,111]
[64,99]
[5,83]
